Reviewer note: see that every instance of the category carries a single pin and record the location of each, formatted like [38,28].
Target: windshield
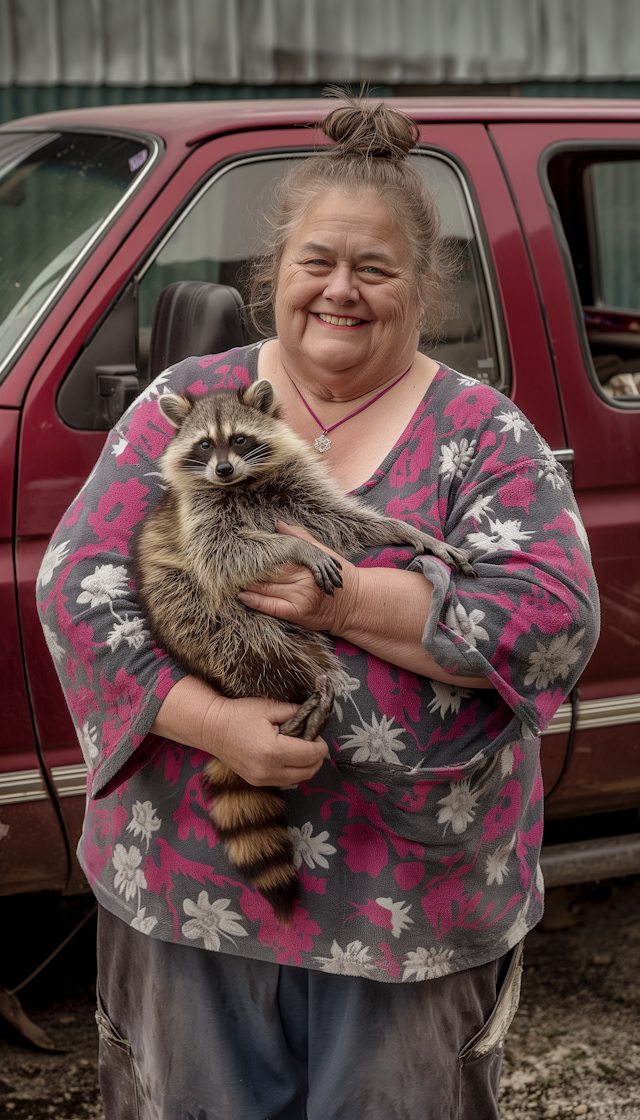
[56,191]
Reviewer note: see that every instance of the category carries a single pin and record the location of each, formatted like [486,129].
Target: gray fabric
[191,1035]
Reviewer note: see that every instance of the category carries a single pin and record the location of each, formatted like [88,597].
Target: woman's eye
[205,445]
[372,268]
[241,439]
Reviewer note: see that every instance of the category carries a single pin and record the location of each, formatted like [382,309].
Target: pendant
[323,443]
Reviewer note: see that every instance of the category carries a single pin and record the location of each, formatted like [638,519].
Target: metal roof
[180,42]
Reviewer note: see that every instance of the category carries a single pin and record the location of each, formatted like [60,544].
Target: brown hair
[371,152]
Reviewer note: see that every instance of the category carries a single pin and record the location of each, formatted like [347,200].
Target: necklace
[323,443]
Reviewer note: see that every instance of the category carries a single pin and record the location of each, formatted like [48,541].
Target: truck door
[577,188]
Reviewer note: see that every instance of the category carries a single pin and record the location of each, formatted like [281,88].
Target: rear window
[57,190]
[598,198]
[217,236]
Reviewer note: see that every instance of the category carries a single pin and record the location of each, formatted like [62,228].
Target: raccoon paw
[326,572]
[313,715]
[457,558]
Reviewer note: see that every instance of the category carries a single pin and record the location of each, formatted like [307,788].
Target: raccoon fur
[232,470]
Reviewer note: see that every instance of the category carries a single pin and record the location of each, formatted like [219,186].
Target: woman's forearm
[244,733]
[386,616]
[185,712]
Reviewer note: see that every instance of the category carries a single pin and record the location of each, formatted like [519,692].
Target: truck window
[598,198]
[57,191]
[217,236]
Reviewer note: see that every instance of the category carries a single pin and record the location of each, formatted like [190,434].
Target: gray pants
[187,1034]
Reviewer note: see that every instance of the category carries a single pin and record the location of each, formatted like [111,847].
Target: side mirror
[103,380]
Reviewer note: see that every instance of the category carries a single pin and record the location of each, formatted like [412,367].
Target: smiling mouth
[338,320]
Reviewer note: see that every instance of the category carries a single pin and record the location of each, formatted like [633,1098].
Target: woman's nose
[341,286]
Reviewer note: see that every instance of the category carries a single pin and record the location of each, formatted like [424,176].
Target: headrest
[193,317]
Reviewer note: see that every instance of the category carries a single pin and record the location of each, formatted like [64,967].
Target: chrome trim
[155,145]
[586,861]
[22,785]
[70,781]
[613,711]
[564,455]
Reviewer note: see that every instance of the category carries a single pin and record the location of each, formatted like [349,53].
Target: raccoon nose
[223,470]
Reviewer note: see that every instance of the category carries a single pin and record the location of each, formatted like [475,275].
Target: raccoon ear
[259,395]
[175,408]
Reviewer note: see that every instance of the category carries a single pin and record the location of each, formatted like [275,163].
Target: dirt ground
[573,1049]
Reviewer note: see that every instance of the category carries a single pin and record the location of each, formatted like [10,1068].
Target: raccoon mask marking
[231,468]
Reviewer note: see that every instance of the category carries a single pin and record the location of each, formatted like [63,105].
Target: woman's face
[346,298]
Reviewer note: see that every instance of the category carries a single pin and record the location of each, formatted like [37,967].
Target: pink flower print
[75,511]
[388,558]
[124,453]
[240,375]
[149,431]
[119,510]
[519,492]
[172,756]
[409,465]
[209,360]
[198,388]
[82,703]
[470,407]
[312,883]
[161,876]
[547,704]
[289,942]
[366,849]
[188,820]
[505,814]
[397,691]
[165,683]
[118,820]
[123,696]
[410,507]
[408,875]
[386,913]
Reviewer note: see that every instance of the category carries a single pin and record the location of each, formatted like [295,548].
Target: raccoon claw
[326,572]
[457,558]
[313,715]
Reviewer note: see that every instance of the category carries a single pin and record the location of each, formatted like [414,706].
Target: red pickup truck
[101,210]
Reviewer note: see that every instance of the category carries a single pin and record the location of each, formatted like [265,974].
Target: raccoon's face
[225,438]
[226,453]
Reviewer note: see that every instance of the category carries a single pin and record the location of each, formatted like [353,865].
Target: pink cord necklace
[323,443]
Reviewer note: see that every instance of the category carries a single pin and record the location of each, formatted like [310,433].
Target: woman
[416,820]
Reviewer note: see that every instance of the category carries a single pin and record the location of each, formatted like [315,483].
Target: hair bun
[369,131]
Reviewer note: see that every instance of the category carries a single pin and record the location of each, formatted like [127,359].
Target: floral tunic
[418,841]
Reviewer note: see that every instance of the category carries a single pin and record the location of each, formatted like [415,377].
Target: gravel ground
[573,1049]
[574,1046]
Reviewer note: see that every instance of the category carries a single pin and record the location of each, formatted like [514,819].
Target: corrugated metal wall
[255,42]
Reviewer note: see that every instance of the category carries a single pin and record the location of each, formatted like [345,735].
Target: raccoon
[232,470]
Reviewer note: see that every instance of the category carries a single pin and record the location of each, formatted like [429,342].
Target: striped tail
[252,822]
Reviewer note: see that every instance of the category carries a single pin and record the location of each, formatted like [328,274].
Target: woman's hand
[381,610]
[244,734]
[295,596]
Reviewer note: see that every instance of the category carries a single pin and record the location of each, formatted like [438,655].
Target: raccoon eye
[204,445]
[240,439]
